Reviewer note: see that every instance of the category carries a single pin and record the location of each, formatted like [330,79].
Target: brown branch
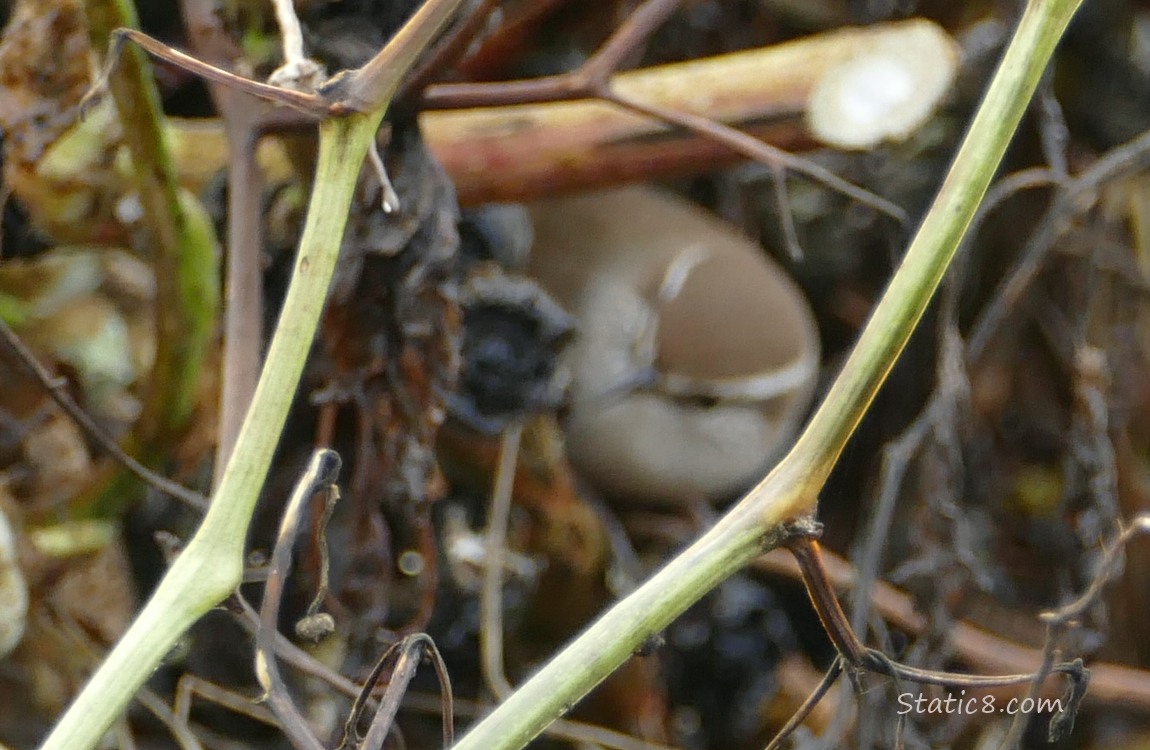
[1113,685]
[760,151]
[243,301]
[449,49]
[547,139]
[408,653]
[584,83]
[800,715]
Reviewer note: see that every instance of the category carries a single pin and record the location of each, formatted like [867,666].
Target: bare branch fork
[853,654]
[296,83]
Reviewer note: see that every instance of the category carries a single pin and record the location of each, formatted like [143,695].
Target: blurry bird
[696,356]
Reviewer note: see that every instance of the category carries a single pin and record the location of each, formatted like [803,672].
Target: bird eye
[700,401]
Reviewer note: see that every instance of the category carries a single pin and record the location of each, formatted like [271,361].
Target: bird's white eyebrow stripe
[761,387]
[679,269]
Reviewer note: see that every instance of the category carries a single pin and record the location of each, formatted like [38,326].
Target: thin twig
[760,151]
[491,597]
[846,642]
[1059,621]
[1111,684]
[176,725]
[800,715]
[243,302]
[635,30]
[57,388]
[363,89]
[408,652]
[1109,567]
[190,685]
[592,80]
[786,216]
[243,291]
[1077,196]
[1054,133]
[572,731]
[582,83]
[311,104]
[448,50]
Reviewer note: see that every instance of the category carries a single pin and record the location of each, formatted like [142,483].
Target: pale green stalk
[791,490]
[211,566]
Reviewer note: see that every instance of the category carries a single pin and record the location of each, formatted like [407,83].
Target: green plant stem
[934,244]
[791,489]
[181,249]
[211,566]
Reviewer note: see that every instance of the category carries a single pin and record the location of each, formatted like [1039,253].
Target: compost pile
[142,276]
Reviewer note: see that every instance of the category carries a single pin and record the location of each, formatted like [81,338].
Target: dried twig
[834,621]
[491,597]
[1075,197]
[57,388]
[307,664]
[592,80]
[1110,684]
[176,725]
[800,715]
[449,49]
[1059,621]
[190,685]
[408,653]
[243,301]
[760,151]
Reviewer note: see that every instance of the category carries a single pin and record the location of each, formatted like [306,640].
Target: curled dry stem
[320,477]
